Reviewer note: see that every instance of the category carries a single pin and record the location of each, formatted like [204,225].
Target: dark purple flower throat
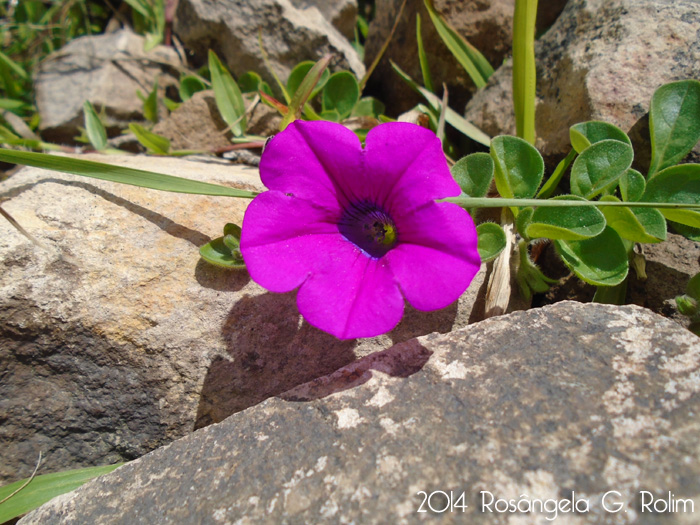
[368,227]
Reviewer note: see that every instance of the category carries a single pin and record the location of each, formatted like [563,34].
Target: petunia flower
[358,230]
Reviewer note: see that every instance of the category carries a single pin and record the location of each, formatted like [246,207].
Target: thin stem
[487,202]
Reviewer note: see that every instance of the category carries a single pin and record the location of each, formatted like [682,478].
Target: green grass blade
[120,174]
[303,92]
[153,142]
[44,488]
[466,54]
[524,73]
[14,66]
[422,57]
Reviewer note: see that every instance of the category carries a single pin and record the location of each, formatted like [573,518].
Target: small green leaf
[677,184]
[305,89]
[492,240]
[341,93]
[600,165]
[14,66]
[120,174]
[171,104]
[586,133]
[217,252]
[189,85]
[674,123]
[568,224]
[632,185]
[519,167]
[368,107]
[330,115]
[150,105]
[601,260]
[97,135]
[44,488]
[474,174]
[229,99]
[153,142]
[232,236]
[249,82]
[693,288]
[469,57]
[645,225]
[299,73]
[422,57]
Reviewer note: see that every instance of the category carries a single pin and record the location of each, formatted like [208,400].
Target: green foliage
[567,224]
[120,174]
[584,134]
[341,93]
[422,57]
[679,184]
[225,251]
[44,488]
[688,304]
[674,123]
[492,240]
[598,166]
[93,126]
[189,85]
[474,63]
[474,174]
[154,143]
[228,96]
[519,167]
[148,17]
[524,73]
[600,260]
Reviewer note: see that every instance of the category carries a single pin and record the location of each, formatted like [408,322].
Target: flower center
[369,228]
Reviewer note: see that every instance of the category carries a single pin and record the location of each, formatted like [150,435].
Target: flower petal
[282,239]
[406,167]
[311,159]
[351,295]
[436,257]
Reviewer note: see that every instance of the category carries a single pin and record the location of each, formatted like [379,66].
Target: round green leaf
[341,93]
[330,115]
[632,185]
[249,82]
[673,123]
[687,231]
[519,167]
[474,174]
[189,85]
[584,134]
[492,240]
[569,224]
[635,224]
[522,220]
[601,260]
[677,184]
[297,76]
[598,166]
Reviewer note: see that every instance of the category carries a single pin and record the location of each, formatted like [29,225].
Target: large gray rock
[341,13]
[567,401]
[487,24]
[116,338]
[105,69]
[291,32]
[602,60]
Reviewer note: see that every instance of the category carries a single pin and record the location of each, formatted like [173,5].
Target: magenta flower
[356,228]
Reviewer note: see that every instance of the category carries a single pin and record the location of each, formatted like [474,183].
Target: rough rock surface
[602,60]
[116,338]
[341,13]
[567,401]
[290,34]
[487,24]
[105,69]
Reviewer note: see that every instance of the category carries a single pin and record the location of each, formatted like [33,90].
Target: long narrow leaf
[524,74]
[97,135]
[422,57]
[44,488]
[228,96]
[14,66]
[466,54]
[120,174]
[452,117]
[153,142]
